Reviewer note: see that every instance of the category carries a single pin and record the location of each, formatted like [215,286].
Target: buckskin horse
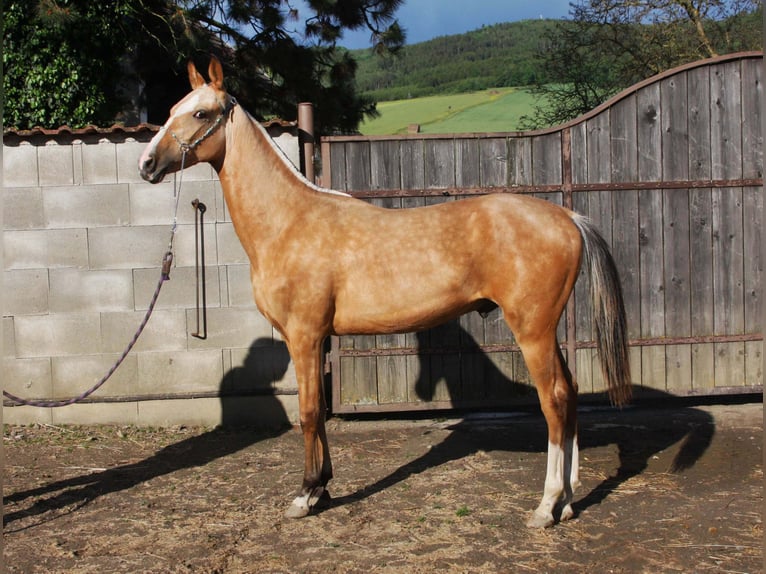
[324,263]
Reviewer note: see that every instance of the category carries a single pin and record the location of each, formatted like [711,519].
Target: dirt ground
[665,489]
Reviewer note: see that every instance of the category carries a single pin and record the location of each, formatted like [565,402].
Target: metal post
[306,138]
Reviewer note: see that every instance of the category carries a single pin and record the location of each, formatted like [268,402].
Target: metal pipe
[306,138]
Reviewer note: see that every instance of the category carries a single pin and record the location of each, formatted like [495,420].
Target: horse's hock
[84,238]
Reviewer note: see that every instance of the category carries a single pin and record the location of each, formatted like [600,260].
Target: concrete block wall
[83,241]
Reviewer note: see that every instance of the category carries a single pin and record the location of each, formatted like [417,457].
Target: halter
[186,147]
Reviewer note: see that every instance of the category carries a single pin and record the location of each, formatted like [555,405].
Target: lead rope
[167,261]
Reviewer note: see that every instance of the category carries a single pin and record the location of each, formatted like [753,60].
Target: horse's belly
[392,312]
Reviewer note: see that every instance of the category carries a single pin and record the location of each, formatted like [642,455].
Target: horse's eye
[200,114]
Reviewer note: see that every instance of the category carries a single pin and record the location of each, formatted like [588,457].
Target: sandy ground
[673,489]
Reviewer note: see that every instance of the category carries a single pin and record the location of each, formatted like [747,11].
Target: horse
[324,263]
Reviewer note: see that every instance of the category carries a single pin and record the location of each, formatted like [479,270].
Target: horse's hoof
[540,521]
[567,513]
[298,508]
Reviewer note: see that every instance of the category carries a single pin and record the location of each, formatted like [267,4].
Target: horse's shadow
[264,364]
[637,441]
[639,432]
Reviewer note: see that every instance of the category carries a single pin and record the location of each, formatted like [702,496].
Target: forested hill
[492,56]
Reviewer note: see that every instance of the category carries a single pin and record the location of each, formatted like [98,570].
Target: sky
[427,19]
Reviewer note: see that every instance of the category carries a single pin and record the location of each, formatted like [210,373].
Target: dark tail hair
[608,311]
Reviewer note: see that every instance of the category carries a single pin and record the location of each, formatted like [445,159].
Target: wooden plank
[752,201]
[439,158]
[467,163]
[413,164]
[385,165]
[473,363]
[752,118]
[546,159]
[703,367]
[698,123]
[726,120]
[652,287]
[677,281]
[623,142]
[579,151]
[520,161]
[728,285]
[338,177]
[649,136]
[493,161]
[625,250]
[753,208]
[599,159]
[674,131]
[358,167]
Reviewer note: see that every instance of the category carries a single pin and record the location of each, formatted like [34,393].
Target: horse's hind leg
[318,468]
[558,399]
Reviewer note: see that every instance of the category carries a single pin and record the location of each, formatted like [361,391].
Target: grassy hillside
[495,110]
[501,55]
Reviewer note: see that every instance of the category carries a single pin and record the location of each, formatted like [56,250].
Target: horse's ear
[215,71]
[195,78]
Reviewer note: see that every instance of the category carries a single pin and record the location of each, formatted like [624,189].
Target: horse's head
[194,128]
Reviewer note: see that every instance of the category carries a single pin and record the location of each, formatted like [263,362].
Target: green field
[495,110]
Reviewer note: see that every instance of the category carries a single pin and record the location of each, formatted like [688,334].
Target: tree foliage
[609,45]
[80,62]
[501,55]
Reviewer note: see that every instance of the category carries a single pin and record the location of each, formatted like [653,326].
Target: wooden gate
[670,170]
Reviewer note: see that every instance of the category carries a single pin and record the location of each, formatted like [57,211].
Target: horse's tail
[608,311]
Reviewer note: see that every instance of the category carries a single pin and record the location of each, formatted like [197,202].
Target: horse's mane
[280,153]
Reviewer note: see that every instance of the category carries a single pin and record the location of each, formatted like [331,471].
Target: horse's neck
[253,161]
[262,191]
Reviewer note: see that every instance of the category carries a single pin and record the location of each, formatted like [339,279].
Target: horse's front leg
[318,467]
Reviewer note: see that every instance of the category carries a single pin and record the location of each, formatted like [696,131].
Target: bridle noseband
[186,147]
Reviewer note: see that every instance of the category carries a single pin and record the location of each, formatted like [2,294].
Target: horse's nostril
[148,164]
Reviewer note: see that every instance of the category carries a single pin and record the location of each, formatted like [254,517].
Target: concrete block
[67,248]
[273,412]
[56,164]
[240,286]
[260,367]
[9,340]
[155,204]
[128,153]
[71,376]
[230,249]
[86,206]
[189,412]
[20,165]
[23,207]
[99,162]
[179,292]
[127,247]
[185,245]
[179,372]
[25,292]
[52,248]
[166,331]
[59,334]
[231,328]
[269,412]
[76,290]
[152,204]
[28,378]
[96,414]
[26,415]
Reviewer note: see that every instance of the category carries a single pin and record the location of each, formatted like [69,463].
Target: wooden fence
[670,170]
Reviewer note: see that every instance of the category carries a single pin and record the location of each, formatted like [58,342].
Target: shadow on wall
[269,421]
